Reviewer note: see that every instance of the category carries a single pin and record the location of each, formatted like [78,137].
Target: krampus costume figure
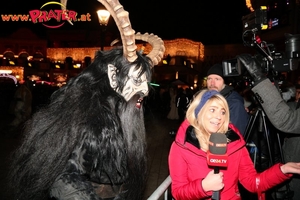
[89,142]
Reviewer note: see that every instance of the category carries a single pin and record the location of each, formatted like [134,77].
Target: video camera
[272,62]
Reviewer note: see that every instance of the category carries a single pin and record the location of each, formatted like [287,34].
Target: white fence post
[161,189]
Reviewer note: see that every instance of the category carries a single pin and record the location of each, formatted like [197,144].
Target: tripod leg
[250,126]
[267,135]
[280,148]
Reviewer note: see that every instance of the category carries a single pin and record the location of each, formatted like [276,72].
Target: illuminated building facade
[184,59]
[65,53]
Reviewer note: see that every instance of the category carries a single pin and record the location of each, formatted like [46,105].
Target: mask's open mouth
[139,103]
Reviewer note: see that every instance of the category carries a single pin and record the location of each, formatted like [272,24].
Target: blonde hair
[197,121]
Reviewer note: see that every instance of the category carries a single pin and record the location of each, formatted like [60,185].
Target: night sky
[209,22]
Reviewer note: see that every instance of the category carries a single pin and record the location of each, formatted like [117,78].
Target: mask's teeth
[138,103]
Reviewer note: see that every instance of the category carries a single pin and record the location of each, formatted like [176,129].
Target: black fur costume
[88,136]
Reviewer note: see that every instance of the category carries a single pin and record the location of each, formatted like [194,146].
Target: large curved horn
[121,18]
[127,34]
[157,44]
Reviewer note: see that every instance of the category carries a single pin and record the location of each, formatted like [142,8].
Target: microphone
[216,155]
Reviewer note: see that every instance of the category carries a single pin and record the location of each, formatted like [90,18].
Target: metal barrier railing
[162,189]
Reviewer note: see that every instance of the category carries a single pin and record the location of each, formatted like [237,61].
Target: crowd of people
[86,140]
[193,178]
[194,131]
[240,106]
[19,101]
[281,115]
[243,104]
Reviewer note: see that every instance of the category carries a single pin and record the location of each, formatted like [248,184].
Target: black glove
[253,67]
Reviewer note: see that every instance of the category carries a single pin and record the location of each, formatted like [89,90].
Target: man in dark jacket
[182,102]
[238,114]
[279,113]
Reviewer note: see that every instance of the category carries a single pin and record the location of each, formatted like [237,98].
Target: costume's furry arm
[100,158]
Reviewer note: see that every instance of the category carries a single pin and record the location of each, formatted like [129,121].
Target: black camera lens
[292,45]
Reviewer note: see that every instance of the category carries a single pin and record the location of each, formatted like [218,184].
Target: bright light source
[103,16]
[3,71]
[77,66]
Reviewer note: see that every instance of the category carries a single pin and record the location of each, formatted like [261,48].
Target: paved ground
[158,140]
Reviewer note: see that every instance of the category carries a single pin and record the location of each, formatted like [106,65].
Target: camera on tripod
[272,62]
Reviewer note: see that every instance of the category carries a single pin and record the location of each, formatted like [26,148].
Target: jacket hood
[226,90]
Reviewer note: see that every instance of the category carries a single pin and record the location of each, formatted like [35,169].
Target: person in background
[182,103]
[189,93]
[21,107]
[173,113]
[238,113]
[277,110]
[249,102]
[291,149]
[295,103]
[284,117]
[191,176]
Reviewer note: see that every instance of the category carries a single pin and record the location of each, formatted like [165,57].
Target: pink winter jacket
[188,166]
